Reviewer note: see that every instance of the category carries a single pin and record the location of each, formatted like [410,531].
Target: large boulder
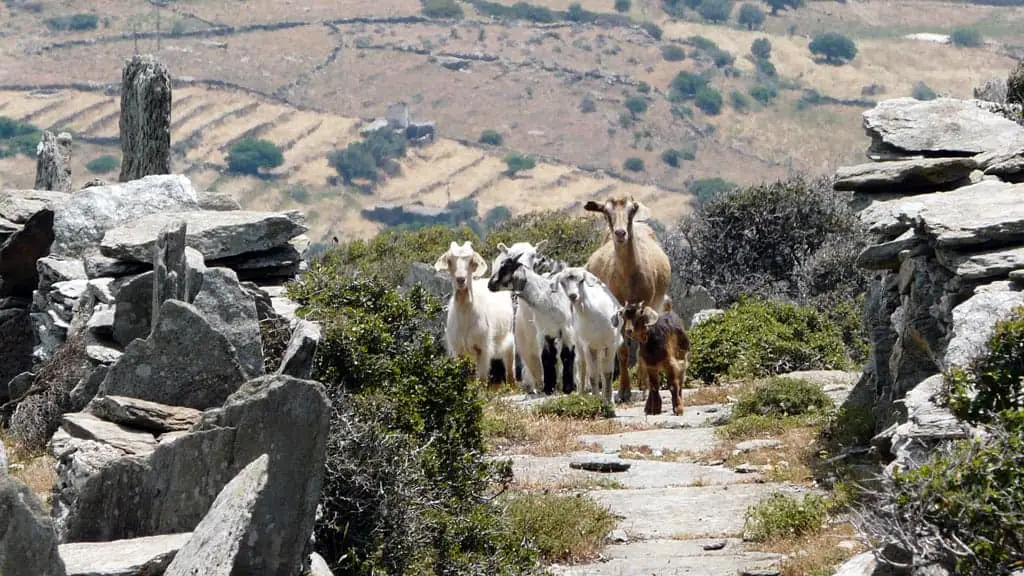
[905,176]
[17,206]
[27,541]
[81,221]
[944,126]
[17,338]
[232,312]
[53,162]
[298,357]
[19,253]
[145,119]
[147,556]
[974,322]
[214,234]
[143,415]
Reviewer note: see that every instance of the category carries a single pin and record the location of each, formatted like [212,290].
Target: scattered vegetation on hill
[18,138]
[491,137]
[516,163]
[966,37]
[103,164]
[73,22]
[251,155]
[365,159]
[751,16]
[564,528]
[783,516]
[577,407]
[833,47]
[442,9]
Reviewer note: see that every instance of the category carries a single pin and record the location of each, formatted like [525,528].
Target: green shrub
[756,426]
[564,528]
[702,43]
[782,516]
[739,100]
[652,29]
[441,9]
[492,138]
[497,216]
[407,482]
[707,189]
[761,49]
[18,137]
[636,105]
[250,155]
[833,47]
[299,193]
[850,426]
[571,236]
[751,16]
[966,37]
[763,93]
[686,85]
[757,338]
[673,52]
[717,11]
[994,382]
[623,6]
[517,11]
[782,397]
[74,22]
[587,105]
[633,164]
[1015,85]
[516,162]
[103,164]
[671,157]
[365,158]
[577,407]
[709,101]
[777,5]
[922,91]
[643,87]
[765,68]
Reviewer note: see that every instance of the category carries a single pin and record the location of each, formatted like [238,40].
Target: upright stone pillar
[53,162]
[145,118]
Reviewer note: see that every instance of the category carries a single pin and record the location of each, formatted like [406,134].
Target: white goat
[479,321]
[596,325]
[544,314]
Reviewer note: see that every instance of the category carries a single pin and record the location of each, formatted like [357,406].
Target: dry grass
[635,452]
[514,430]
[575,483]
[816,554]
[35,469]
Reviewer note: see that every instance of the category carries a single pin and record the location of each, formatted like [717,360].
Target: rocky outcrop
[147,556]
[27,542]
[145,119]
[19,253]
[53,162]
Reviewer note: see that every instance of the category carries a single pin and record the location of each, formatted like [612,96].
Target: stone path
[674,517]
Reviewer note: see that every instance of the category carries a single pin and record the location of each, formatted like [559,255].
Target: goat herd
[530,302]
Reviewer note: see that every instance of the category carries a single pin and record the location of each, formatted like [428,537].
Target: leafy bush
[686,85]
[652,29]
[623,5]
[702,43]
[442,9]
[249,155]
[722,58]
[517,11]
[577,407]
[922,91]
[850,426]
[715,10]
[673,52]
[783,516]
[671,157]
[497,216]
[763,93]
[491,137]
[570,236]
[587,105]
[777,5]
[739,100]
[765,68]
[389,255]
[74,22]
[751,16]
[994,382]
[966,37]
[761,48]
[782,397]
[1015,85]
[709,101]
[364,159]
[564,528]
[707,189]
[633,164]
[833,47]
[757,338]
[103,164]
[516,162]
[636,105]
[18,137]
[643,87]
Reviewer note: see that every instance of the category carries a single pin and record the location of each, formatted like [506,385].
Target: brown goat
[663,347]
[631,263]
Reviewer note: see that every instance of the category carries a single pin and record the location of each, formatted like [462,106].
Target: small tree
[672,157]
[709,101]
[250,155]
[103,164]
[673,52]
[739,100]
[517,162]
[623,5]
[966,37]
[636,105]
[763,93]
[922,91]
[717,11]
[777,5]
[652,29]
[634,164]
[765,68]
[834,47]
[761,49]
[750,16]
[587,105]
[686,85]
[643,87]
[491,137]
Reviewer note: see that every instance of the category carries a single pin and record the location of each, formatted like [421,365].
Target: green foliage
[707,189]
[1015,85]
[782,516]
[248,156]
[763,93]
[777,5]
[751,16]
[994,382]
[850,426]
[966,37]
[587,105]
[765,68]
[74,22]
[709,101]
[491,137]
[571,236]
[686,85]
[922,91]
[365,158]
[761,48]
[497,216]
[722,58]
[442,9]
[702,43]
[756,426]
[636,105]
[623,6]
[758,338]
[564,528]
[576,407]
[833,47]
[671,157]
[652,29]
[516,162]
[717,11]
[517,11]
[103,164]
[782,397]
[633,164]
[673,52]
[389,255]
[18,137]
[299,193]
[739,100]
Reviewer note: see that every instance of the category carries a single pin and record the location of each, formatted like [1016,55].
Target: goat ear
[640,212]
[590,279]
[541,243]
[617,318]
[650,317]
[592,206]
[481,266]
[502,248]
[441,265]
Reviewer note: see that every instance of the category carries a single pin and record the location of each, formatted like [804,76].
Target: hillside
[306,76]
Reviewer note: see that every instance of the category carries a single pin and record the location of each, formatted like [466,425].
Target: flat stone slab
[940,126]
[904,176]
[692,440]
[693,416]
[214,234]
[88,427]
[691,512]
[673,558]
[555,470]
[592,462]
[992,264]
[148,555]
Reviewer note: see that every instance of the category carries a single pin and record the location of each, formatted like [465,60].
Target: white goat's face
[511,275]
[620,213]
[526,252]
[571,281]
[462,263]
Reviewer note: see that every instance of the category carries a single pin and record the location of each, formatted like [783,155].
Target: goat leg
[653,405]
[548,359]
[676,375]
[568,365]
[624,392]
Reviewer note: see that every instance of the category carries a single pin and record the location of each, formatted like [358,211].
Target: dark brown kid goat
[663,346]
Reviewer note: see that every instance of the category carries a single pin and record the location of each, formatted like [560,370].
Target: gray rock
[691,301]
[86,426]
[214,234]
[618,536]
[1006,163]
[148,556]
[437,284]
[714,545]
[17,206]
[3,459]
[83,219]
[599,463]
[642,474]
[195,267]
[231,311]
[218,202]
[746,468]
[133,312]
[705,315]
[145,120]
[904,176]
[93,182]
[906,126]
[280,261]
[760,571]
[17,339]
[27,542]
[928,423]
[298,357]
[318,566]
[19,253]
[885,256]
[152,369]
[992,264]
[218,545]
[87,387]
[143,415]
[992,90]
[974,323]
[1017,275]
[101,323]
[99,266]
[751,445]
[103,354]
[452,63]
[53,162]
